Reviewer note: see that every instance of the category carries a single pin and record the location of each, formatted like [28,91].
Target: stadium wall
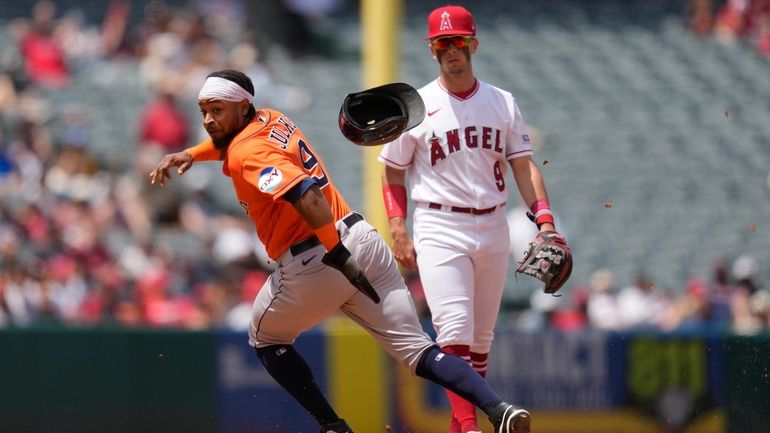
[117,380]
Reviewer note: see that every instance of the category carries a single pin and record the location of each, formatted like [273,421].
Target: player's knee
[424,369]
[267,354]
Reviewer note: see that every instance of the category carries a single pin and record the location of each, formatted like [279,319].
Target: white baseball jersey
[459,154]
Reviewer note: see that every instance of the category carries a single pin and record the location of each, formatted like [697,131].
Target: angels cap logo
[269,179]
[445,23]
[450,21]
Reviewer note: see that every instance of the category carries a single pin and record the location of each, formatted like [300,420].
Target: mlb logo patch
[269,179]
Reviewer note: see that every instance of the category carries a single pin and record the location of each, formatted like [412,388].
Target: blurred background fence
[114,380]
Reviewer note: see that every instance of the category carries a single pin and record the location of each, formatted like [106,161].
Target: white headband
[223,90]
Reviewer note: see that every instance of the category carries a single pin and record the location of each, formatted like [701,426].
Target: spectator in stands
[9,246]
[744,19]
[107,289]
[239,316]
[634,304]
[759,303]
[730,21]
[702,16]
[537,317]
[690,310]
[602,305]
[575,317]
[44,57]
[21,293]
[162,122]
[3,313]
[66,284]
[6,160]
[744,271]
[720,296]
[163,303]
[76,175]
[745,321]
[7,92]
[114,28]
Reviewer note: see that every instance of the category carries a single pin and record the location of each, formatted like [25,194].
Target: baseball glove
[549,259]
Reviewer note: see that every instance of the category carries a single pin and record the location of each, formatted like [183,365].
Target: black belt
[469,210]
[302,246]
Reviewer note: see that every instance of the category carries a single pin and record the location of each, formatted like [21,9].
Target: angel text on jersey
[473,137]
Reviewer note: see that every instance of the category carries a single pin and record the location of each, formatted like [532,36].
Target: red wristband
[541,212]
[395,200]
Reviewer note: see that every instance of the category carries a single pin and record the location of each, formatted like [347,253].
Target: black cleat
[337,427]
[508,418]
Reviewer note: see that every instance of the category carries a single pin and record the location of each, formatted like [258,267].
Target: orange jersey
[265,160]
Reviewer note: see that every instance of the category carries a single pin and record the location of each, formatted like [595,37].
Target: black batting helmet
[380,114]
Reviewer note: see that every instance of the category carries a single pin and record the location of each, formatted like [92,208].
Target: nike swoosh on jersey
[305,262]
[430,113]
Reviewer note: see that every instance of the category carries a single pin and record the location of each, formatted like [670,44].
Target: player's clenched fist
[183,160]
[403,247]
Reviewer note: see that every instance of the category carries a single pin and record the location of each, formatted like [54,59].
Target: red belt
[469,210]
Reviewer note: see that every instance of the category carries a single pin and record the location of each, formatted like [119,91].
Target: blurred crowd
[731,299]
[730,21]
[86,241]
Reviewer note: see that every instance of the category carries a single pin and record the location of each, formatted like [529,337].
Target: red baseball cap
[450,20]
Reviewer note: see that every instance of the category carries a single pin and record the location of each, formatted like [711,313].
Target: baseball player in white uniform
[457,160]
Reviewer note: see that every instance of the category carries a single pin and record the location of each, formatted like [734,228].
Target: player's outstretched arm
[394,194]
[160,174]
[203,151]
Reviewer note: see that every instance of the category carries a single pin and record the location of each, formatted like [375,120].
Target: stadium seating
[657,140]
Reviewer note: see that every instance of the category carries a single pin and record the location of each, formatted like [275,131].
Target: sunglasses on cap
[458,42]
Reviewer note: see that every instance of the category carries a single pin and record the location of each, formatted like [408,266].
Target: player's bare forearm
[393,176]
[160,174]
[314,208]
[530,182]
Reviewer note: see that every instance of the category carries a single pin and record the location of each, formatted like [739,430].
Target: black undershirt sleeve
[298,190]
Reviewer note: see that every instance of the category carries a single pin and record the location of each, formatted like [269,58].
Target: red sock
[454,425]
[479,362]
[462,410]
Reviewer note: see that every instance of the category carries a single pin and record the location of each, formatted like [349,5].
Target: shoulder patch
[269,179]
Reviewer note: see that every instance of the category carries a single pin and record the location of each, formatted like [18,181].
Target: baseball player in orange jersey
[456,160]
[328,258]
